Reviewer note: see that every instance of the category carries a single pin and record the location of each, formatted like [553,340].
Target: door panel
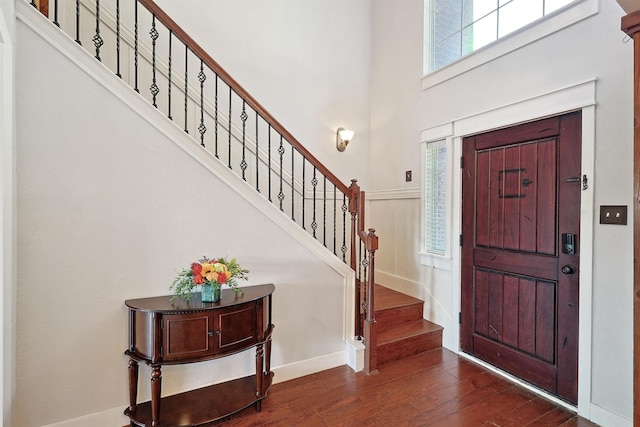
[519,311]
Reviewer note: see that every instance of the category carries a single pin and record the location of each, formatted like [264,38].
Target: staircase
[402,331]
[153,55]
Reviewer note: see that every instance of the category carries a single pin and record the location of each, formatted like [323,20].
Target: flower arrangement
[214,272]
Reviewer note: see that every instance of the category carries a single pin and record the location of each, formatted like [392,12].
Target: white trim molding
[579,96]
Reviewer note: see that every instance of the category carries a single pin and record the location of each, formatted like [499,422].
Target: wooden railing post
[370,325]
[354,194]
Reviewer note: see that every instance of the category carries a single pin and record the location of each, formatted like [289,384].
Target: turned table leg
[133,384]
[259,375]
[156,386]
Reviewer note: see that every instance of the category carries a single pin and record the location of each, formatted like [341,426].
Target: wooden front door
[520,251]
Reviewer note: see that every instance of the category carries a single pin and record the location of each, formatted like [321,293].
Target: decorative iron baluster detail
[117,38]
[344,228]
[97,39]
[215,116]
[257,155]
[55,14]
[281,194]
[324,212]
[335,219]
[78,22]
[243,118]
[229,129]
[201,78]
[135,46]
[293,184]
[33,3]
[169,75]
[186,89]
[269,161]
[154,36]
[304,161]
[314,184]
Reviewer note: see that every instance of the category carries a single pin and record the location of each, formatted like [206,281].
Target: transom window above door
[455,28]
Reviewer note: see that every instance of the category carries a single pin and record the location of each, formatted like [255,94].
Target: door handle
[568,269]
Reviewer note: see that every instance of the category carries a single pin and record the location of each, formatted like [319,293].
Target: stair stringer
[354,350]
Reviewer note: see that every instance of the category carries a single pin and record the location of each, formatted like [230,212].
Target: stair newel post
[354,192]
[370,326]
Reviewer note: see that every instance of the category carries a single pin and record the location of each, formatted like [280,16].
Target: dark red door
[521,194]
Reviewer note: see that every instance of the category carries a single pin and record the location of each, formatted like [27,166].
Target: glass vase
[210,293]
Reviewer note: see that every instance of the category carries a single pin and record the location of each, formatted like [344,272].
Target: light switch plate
[616,215]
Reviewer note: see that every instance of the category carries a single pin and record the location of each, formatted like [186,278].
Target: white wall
[7,217]
[400,109]
[109,208]
[306,61]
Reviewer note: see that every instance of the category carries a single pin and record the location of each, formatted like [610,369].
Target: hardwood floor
[435,388]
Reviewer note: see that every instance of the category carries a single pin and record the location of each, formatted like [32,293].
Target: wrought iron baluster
[335,223]
[186,89]
[33,3]
[229,128]
[215,116]
[281,194]
[344,228]
[293,184]
[154,36]
[269,161]
[169,75]
[257,155]
[55,13]
[118,39]
[201,78]
[78,22]
[97,39]
[304,161]
[135,46]
[314,184]
[324,212]
[243,118]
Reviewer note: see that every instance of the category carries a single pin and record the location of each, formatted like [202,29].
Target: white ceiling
[629,5]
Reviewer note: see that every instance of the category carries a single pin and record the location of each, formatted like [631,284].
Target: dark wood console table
[165,332]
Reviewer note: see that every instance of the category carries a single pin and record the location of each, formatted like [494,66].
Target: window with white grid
[435,198]
[455,28]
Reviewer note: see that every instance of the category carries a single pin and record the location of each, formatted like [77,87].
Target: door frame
[581,96]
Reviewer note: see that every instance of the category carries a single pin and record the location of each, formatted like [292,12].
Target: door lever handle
[568,269]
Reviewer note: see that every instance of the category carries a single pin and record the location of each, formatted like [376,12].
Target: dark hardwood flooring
[435,388]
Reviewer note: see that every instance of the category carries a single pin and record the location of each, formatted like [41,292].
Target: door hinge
[461,240]
[460,318]
[461,162]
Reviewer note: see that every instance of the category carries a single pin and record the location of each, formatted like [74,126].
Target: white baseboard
[355,354]
[400,284]
[309,366]
[604,417]
[113,417]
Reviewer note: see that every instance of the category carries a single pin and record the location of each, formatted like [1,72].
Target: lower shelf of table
[203,405]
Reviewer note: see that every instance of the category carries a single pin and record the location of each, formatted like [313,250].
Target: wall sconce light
[343,136]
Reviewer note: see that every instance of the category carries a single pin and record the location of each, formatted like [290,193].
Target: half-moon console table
[165,332]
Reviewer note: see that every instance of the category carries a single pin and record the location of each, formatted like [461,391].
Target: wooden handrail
[356,197]
[181,35]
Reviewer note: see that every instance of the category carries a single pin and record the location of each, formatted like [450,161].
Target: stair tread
[407,330]
[386,298]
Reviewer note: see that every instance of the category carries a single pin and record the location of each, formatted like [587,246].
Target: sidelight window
[435,198]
